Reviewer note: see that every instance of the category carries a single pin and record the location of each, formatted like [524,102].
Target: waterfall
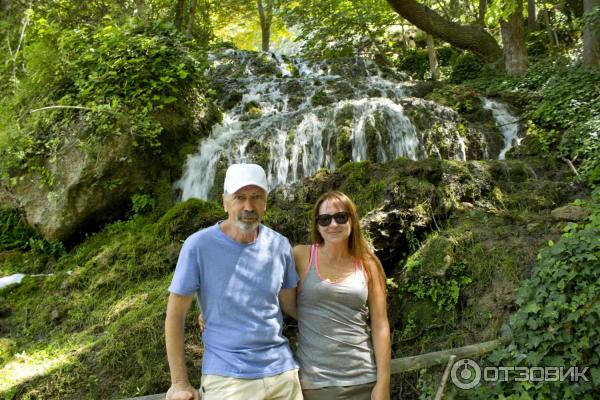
[294,117]
[506,122]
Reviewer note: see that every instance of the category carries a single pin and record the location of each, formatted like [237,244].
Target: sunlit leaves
[340,27]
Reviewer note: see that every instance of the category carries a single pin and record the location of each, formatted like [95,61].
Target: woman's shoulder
[301,250]
[301,256]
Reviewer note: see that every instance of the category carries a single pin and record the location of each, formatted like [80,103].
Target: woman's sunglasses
[340,218]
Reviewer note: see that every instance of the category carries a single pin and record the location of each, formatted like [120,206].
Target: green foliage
[335,28]
[430,273]
[14,232]
[561,104]
[467,66]
[415,62]
[558,320]
[120,75]
[142,203]
[582,144]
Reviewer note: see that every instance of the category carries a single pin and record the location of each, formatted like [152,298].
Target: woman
[344,336]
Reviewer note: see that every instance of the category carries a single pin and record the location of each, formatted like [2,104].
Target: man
[243,274]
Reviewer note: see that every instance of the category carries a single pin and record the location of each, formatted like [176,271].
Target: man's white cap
[240,175]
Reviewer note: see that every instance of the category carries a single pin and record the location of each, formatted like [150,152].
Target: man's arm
[177,308]
[287,301]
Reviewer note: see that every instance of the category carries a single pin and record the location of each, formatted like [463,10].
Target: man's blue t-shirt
[238,286]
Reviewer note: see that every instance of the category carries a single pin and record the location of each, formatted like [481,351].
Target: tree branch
[55,107]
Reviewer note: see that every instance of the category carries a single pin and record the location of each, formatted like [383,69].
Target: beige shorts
[285,386]
[356,392]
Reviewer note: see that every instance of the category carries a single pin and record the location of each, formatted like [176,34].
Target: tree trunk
[552,37]
[266,16]
[531,16]
[140,7]
[179,14]
[482,11]
[513,38]
[192,19]
[433,63]
[591,37]
[467,37]
[205,33]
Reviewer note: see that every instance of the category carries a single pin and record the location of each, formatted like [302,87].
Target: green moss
[343,143]
[258,153]
[187,217]
[320,98]
[252,110]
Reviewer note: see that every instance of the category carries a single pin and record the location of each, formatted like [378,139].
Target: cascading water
[295,117]
[506,122]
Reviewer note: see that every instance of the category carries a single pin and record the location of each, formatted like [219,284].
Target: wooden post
[442,388]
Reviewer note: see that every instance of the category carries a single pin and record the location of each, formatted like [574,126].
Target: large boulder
[77,189]
[84,189]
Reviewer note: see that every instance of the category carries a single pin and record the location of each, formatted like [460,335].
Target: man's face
[246,207]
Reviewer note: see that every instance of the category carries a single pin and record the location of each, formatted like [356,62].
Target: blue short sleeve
[186,280]
[290,276]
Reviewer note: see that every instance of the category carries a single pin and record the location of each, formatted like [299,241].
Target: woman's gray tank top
[334,338]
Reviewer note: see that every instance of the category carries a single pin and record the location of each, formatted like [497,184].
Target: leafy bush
[415,62]
[14,232]
[446,55]
[582,144]
[120,77]
[466,66]
[142,203]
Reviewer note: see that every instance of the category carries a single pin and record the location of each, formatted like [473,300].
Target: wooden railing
[407,364]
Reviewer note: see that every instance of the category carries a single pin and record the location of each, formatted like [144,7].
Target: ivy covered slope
[558,320]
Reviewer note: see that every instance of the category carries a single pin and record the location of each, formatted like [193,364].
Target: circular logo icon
[466,374]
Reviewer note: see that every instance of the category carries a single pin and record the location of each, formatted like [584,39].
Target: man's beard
[247,225]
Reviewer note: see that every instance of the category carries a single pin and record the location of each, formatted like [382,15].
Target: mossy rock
[188,217]
[232,99]
[343,144]
[320,98]
[263,64]
[252,110]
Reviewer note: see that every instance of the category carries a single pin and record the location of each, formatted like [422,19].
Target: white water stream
[506,122]
[298,117]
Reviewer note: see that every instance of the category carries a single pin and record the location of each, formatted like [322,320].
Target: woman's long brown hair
[357,244]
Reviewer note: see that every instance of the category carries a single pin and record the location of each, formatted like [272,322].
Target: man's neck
[239,235]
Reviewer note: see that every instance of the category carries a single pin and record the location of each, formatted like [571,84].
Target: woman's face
[334,232]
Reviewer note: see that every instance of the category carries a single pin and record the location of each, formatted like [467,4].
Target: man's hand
[380,392]
[182,391]
[201,322]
